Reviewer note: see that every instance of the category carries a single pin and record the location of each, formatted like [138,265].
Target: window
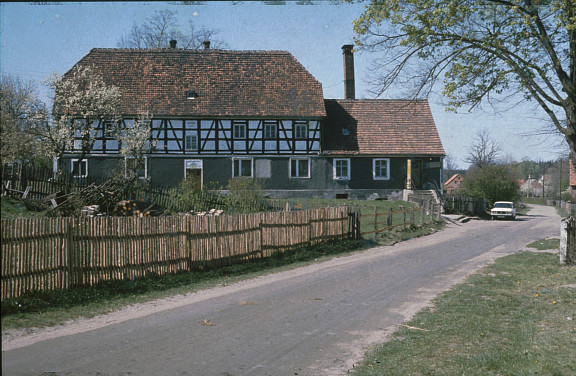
[191,141]
[381,169]
[299,167]
[270,131]
[341,169]
[109,129]
[239,131]
[136,167]
[80,168]
[300,131]
[242,167]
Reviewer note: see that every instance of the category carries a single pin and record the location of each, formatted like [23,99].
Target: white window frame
[241,161]
[192,145]
[145,167]
[240,131]
[335,168]
[298,175]
[387,162]
[270,131]
[79,173]
[300,131]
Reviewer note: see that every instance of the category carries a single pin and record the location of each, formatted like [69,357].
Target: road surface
[314,321]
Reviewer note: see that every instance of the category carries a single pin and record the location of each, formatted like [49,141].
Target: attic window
[345,132]
[191,94]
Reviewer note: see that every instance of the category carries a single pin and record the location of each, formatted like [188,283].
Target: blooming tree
[82,102]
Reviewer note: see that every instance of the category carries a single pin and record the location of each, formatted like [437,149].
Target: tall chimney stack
[206,44]
[173,44]
[349,84]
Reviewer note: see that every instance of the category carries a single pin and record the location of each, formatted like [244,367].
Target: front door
[417,173]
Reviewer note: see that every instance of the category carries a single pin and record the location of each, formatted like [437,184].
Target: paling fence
[59,253]
[464,205]
[377,222]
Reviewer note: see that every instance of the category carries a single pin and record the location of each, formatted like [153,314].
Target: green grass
[545,244]
[515,317]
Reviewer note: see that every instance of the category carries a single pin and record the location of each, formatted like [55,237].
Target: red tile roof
[381,126]
[228,83]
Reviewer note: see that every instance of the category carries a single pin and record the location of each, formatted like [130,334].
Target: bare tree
[485,150]
[449,166]
[21,112]
[159,29]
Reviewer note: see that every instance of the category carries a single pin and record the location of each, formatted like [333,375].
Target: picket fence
[60,253]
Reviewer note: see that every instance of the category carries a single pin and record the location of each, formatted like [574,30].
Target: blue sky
[36,40]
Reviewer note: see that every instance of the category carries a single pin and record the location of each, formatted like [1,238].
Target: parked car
[504,210]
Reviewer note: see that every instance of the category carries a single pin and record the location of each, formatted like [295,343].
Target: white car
[503,209]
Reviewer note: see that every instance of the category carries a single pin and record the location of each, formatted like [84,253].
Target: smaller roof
[452,179]
[381,127]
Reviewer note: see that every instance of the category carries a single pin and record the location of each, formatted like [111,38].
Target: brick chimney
[349,85]
[173,44]
[206,44]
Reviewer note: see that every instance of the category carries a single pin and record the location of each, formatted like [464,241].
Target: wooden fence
[383,221]
[59,253]
[464,205]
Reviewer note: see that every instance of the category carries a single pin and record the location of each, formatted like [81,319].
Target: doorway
[193,169]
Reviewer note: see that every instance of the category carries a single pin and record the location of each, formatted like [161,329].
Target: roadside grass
[514,317]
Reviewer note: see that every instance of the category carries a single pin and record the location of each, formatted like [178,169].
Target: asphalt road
[316,320]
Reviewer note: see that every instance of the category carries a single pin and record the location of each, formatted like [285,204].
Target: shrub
[494,183]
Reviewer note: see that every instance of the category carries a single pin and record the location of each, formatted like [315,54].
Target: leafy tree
[159,29]
[494,183]
[82,101]
[485,150]
[482,50]
[21,113]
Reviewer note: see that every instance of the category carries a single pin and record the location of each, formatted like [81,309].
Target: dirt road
[315,320]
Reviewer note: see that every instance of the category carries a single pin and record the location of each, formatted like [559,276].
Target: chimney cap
[347,48]
[173,43]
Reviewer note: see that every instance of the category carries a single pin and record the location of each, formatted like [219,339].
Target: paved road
[316,320]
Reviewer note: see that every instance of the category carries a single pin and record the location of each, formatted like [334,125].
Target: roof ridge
[184,50]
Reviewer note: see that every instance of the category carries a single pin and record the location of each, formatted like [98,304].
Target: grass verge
[514,317]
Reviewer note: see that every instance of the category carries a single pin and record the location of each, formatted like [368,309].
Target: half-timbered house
[223,114]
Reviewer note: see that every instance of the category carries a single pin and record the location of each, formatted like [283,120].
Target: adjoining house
[453,183]
[222,114]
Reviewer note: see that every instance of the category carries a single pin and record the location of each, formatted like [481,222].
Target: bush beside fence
[59,253]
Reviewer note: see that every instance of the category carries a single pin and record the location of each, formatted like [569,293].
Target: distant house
[220,114]
[453,183]
[532,187]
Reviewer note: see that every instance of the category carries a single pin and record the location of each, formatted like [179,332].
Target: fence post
[375,221]
[568,241]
